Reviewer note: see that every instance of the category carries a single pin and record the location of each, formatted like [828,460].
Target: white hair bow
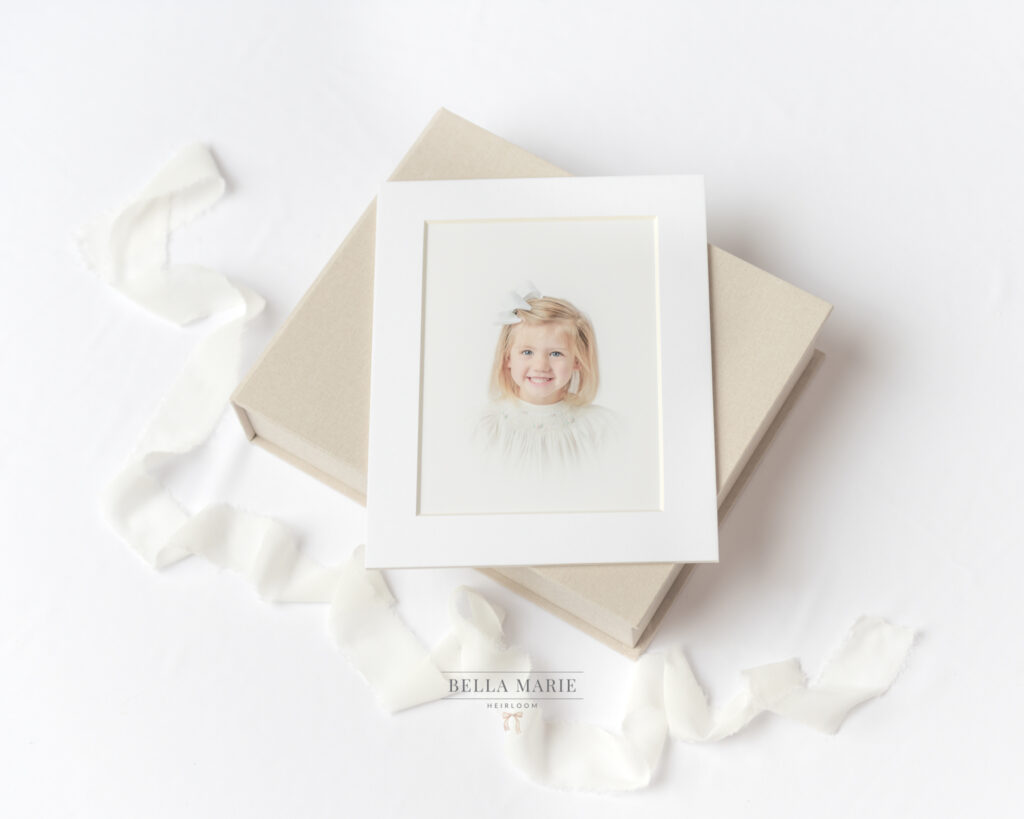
[518,300]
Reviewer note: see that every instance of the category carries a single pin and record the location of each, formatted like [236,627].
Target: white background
[867,152]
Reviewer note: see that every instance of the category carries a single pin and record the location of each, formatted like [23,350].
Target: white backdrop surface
[867,152]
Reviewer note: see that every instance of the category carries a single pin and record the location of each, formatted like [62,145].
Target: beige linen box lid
[307,398]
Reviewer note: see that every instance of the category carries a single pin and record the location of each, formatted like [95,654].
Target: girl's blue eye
[526,352]
[555,353]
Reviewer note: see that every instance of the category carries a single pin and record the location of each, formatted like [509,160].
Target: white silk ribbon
[129,251]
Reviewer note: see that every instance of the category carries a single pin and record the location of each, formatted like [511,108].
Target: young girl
[543,383]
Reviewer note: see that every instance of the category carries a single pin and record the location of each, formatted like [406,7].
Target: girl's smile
[541,361]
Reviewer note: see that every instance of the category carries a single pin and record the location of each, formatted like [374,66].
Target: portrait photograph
[541,374]
[540,367]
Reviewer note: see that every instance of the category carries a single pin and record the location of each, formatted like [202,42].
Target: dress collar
[558,408]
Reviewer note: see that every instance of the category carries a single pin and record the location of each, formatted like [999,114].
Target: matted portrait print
[541,377]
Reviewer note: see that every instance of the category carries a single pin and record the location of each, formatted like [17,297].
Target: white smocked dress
[547,436]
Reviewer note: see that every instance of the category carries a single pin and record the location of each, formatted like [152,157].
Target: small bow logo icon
[507,715]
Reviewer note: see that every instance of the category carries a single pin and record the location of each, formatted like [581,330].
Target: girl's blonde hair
[582,341]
